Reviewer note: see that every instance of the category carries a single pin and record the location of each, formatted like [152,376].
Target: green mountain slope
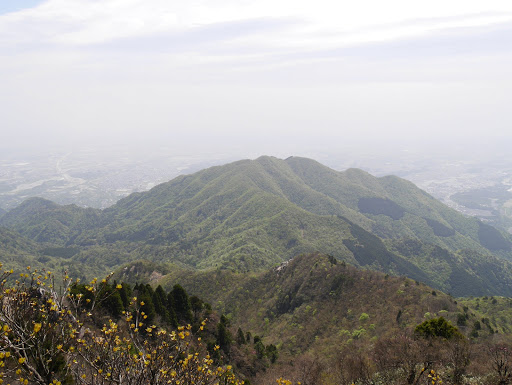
[45,221]
[252,214]
[18,252]
[12,243]
[388,207]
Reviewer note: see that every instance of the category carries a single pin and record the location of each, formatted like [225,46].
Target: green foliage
[224,338]
[178,300]
[50,338]
[260,348]
[113,302]
[337,294]
[144,295]
[240,337]
[461,319]
[45,221]
[489,315]
[437,327]
[61,252]
[272,353]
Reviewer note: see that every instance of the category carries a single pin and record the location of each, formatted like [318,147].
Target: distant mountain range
[254,214]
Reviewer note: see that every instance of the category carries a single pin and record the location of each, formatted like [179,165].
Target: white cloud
[77,22]
[77,66]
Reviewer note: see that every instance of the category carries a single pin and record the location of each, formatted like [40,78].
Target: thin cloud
[112,68]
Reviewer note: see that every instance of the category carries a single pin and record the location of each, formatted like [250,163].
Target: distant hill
[253,214]
[18,252]
[45,221]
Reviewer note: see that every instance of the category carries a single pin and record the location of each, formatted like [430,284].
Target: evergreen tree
[180,302]
[112,302]
[196,305]
[125,293]
[260,348]
[223,337]
[145,299]
[271,353]
[240,338]
[159,300]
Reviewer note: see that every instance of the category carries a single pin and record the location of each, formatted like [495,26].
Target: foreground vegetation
[56,334]
[105,332]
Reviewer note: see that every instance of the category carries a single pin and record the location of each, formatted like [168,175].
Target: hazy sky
[255,73]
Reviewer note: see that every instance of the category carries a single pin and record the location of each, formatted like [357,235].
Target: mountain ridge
[251,214]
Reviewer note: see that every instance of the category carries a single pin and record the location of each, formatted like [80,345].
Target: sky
[255,75]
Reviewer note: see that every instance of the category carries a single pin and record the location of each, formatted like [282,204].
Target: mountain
[18,252]
[12,243]
[45,221]
[228,197]
[253,214]
[314,303]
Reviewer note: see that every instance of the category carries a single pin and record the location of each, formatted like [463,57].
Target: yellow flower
[37,327]
[21,360]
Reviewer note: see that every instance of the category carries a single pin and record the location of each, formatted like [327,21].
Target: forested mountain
[13,243]
[312,320]
[315,294]
[319,311]
[45,221]
[253,214]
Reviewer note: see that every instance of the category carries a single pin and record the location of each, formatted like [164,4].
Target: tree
[272,353]
[179,301]
[240,338]
[223,337]
[501,362]
[437,327]
[196,305]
